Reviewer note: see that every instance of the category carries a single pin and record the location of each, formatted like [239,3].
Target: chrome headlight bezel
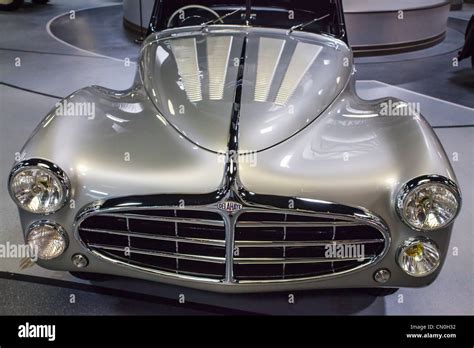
[424,180]
[51,169]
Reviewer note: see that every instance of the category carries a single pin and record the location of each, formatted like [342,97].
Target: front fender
[124,148]
[353,155]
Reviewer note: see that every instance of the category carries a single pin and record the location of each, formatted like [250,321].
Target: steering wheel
[199,7]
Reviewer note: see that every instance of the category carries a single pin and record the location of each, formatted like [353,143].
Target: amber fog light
[47,240]
[419,257]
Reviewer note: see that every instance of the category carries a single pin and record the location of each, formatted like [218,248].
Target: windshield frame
[157,22]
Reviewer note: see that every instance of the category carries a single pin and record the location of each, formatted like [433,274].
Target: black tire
[14,5]
[472,61]
[95,277]
[41,2]
[380,292]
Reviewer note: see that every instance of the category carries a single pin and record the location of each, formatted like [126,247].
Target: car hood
[287,80]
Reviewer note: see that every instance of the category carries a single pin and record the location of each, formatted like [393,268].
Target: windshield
[321,16]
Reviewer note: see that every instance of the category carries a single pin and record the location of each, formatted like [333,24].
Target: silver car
[241,160]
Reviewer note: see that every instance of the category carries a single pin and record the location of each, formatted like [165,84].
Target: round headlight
[419,257]
[429,203]
[47,240]
[39,187]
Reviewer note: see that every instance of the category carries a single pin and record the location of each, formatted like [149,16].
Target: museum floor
[59,56]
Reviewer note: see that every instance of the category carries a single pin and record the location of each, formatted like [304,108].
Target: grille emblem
[230,207]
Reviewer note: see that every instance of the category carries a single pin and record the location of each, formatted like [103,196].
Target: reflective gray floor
[29,298]
[52,67]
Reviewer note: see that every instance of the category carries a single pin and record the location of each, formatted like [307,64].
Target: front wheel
[10,5]
[381,292]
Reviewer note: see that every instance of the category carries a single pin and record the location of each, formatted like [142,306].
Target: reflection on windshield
[185,53]
[303,58]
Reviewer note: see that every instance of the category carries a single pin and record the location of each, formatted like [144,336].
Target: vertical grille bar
[284,248]
[128,254]
[176,243]
[229,231]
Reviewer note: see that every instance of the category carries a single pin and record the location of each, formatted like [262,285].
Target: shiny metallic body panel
[345,153]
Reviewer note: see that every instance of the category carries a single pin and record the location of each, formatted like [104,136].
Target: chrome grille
[277,246]
[267,245]
[186,242]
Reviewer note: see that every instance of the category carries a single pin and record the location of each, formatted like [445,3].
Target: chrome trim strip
[201,258]
[231,172]
[167,219]
[156,272]
[249,224]
[229,253]
[305,260]
[321,243]
[200,241]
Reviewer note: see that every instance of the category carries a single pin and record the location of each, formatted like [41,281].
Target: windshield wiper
[304,25]
[221,18]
